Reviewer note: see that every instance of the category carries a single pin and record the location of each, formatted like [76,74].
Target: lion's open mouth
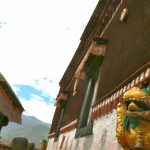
[138,108]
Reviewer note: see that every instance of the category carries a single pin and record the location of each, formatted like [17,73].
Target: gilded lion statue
[133,120]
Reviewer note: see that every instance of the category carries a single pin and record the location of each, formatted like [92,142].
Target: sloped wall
[103,137]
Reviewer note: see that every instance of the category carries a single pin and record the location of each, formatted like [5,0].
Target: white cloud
[16,89]
[34,96]
[48,87]
[39,109]
[39,40]
[45,85]
[35,41]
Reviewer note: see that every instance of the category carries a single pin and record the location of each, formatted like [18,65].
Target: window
[90,66]
[60,104]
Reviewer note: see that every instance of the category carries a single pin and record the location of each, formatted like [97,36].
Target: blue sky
[2,24]
[27,91]
[38,39]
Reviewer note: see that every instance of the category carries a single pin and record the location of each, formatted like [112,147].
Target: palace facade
[113,56]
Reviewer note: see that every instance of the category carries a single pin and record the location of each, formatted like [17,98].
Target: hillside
[31,128]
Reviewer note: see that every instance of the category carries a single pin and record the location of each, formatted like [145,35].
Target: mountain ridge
[31,128]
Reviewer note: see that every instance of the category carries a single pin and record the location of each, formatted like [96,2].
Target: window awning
[91,61]
[96,49]
[7,108]
[62,97]
[10,105]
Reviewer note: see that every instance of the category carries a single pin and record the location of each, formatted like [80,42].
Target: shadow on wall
[77,143]
[103,139]
[88,142]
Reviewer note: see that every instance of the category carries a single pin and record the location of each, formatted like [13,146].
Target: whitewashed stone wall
[103,137]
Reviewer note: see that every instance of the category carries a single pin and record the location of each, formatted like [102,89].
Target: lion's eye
[127,103]
[142,105]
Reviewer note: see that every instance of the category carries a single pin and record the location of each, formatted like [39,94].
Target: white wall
[103,137]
